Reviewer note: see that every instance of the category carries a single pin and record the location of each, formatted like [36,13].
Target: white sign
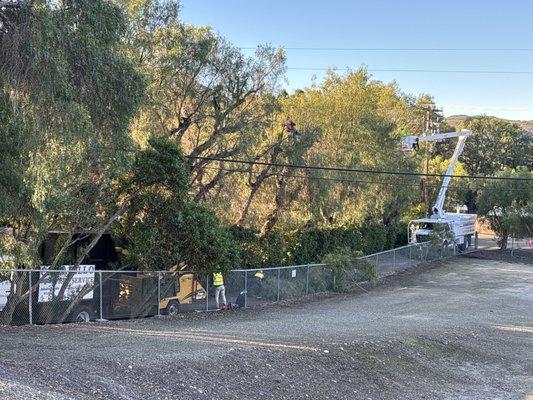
[53,282]
[5,288]
[293,273]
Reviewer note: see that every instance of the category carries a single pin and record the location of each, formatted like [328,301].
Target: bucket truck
[463,226]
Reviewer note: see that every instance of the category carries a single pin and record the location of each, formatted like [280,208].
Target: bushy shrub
[367,269]
[348,269]
[309,245]
[340,262]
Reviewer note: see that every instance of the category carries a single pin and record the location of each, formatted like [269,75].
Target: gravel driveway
[461,330]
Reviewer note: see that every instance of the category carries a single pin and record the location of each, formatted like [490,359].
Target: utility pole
[432,120]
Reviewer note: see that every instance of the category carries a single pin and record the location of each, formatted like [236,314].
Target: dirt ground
[456,330]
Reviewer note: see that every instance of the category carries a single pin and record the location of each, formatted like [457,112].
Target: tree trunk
[279,199]
[204,189]
[14,298]
[121,210]
[503,241]
[247,204]
[260,179]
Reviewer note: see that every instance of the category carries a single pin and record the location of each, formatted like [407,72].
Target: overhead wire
[356,170]
[359,181]
[392,49]
[438,71]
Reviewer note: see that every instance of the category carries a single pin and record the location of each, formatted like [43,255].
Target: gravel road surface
[459,330]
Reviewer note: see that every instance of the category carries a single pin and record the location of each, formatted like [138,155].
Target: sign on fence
[5,289]
[53,282]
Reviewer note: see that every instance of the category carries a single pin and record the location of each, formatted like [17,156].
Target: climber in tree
[290,127]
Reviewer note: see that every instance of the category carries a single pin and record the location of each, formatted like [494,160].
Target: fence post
[394,259]
[245,288]
[30,303]
[101,298]
[410,256]
[377,262]
[307,282]
[207,293]
[158,292]
[278,284]
[475,240]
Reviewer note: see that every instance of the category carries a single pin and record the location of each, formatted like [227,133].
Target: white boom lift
[463,226]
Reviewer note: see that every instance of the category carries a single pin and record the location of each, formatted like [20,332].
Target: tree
[357,118]
[508,205]
[496,144]
[163,228]
[202,91]
[71,94]
[68,94]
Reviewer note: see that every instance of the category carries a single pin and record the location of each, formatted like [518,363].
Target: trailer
[108,294]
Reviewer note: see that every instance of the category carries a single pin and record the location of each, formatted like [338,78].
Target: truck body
[461,227]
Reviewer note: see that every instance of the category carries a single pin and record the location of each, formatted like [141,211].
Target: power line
[392,49]
[358,170]
[361,182]
[437,71]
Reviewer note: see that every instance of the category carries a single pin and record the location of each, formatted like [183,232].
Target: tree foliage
[508,205]
[496,144]
[115,116]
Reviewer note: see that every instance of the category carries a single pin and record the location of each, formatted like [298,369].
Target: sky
[465,24]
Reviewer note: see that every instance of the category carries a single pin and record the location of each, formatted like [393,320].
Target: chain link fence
[520,244]
[53,296]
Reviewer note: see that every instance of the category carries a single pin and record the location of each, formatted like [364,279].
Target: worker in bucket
[220,290]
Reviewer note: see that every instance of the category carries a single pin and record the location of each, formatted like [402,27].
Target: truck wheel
[463,246]
[81,314]
[173,307]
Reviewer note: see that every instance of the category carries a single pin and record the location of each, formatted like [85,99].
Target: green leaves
[508,205]
[496,144]
[163,164]
[163,228]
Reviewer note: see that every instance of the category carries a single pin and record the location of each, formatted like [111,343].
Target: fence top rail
[275,268]
[395,249]
[118,271]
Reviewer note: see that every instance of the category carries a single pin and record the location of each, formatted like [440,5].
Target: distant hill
[455,120]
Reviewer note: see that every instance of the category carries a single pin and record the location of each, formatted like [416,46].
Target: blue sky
[395,24]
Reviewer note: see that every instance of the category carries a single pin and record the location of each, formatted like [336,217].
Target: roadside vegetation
[116,117]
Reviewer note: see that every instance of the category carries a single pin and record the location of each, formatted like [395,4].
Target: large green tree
[68,94]
[496,144]
[163,228]
[508,204]
[202,91]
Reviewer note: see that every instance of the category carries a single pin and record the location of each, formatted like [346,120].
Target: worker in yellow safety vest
[257,284]
[220,290]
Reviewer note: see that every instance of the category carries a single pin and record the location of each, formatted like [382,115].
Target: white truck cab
[463,227]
